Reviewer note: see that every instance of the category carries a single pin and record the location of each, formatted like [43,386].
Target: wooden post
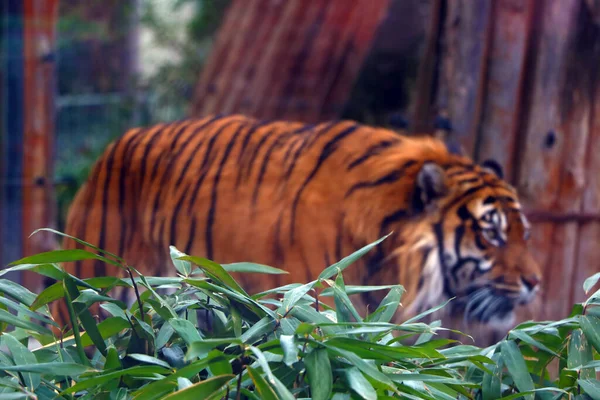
[40,18]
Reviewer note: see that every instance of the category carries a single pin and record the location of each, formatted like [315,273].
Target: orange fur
[290,195]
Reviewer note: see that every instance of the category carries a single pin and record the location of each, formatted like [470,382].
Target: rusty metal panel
[292,59]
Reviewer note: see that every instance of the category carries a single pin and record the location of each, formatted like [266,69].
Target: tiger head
[469,236]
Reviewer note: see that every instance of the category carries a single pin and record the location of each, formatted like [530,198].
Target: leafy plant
[206,338]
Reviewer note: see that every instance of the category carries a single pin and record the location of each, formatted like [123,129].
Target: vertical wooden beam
[40,18]
[466,40]
[500,123]
[550,163]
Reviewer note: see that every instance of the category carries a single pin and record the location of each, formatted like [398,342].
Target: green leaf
[290,349]
[247,267]
[149,360]
[591,328]
[57,256]
[14,396]
[540,390]
[357,382]
[216,272]
[101,378]
[347,261]
[318,369]
[427,312]
[291,297]
[17,292]
[201,390]
[580,353]
[88,297]
[366,368]
[185,330]
[56,290]
[50,369]
[112,359]
[107,328]
[590,282]
[22,356]
[220,364]
[591,387]
[263,326]
[265,390]
[343,302]
[353,289]
[515,363]
[85,316]
[50,270]
[388,306]
[200,348]
[183,267]
[78,241]
[164,335]
[522,335]
[14,320]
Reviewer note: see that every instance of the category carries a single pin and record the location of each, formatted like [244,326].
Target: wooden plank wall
[518,79]
[529,104]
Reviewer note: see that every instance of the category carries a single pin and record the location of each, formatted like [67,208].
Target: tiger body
[300,197]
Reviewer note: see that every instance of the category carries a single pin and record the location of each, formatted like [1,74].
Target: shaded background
[517,80]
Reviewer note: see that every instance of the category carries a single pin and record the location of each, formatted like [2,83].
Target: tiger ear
[430,185]
[494,167]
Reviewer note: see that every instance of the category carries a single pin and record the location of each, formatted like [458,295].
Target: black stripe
[459,232]
[469,180]
[307,133]
[209,157]
[144,160]
[327,259]
[124,173]
[391,177]
[263,169]
[173,160]
[191,236]
[329,148]
[247,170]
[197,131]
[99,269]
[489,200]
[163,154]
[242,156]
[277,246]
[293,142]
[338,238]
[372,151]
[185,172]
[210,218]
[392,218]
[463,196]
[160,193]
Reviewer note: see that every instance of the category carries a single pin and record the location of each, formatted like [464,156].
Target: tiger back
[300,197]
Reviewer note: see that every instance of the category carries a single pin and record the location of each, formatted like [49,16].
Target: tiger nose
[530,281]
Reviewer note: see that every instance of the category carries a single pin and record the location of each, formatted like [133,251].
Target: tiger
[300,196]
